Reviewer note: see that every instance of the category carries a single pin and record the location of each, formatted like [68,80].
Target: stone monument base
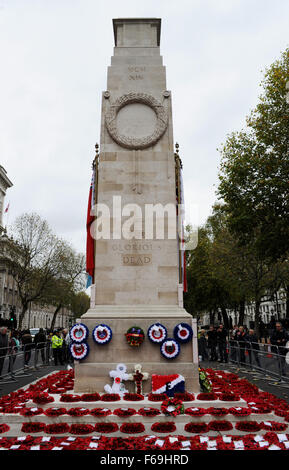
[92,374]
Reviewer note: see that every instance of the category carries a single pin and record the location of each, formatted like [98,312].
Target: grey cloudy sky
[54,55]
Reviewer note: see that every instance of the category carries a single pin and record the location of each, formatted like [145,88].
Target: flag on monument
[168,384]
[7,208]
[183,254]
[89,239]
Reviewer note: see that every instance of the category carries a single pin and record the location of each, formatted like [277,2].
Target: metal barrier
[262,358]
[20,363]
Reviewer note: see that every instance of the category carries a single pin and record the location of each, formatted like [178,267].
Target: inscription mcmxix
[137,260]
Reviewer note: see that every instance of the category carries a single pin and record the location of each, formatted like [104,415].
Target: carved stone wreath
[133,142]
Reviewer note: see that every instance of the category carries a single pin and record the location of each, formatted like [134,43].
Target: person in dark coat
[3,346]
[202,345]
[233,343]
[279,339]
[40,343]
[212,343]
[27,343]
[242,339]
[222,343]
[253,347]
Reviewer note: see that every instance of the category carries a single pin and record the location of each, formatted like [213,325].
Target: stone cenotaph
[137,276]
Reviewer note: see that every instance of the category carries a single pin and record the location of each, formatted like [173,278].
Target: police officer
[57,341]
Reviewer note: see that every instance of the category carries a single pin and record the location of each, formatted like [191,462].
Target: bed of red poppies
[225,387]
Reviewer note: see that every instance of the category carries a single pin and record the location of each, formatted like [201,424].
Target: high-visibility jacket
[56,342]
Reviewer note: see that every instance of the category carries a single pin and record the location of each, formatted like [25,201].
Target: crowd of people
[215,343]
[15,341]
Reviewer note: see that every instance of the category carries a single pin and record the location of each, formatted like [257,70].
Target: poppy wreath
[124,412]
[42,398]
[172,407]
[78,412]
[51,412]
[79,351]
[240,411]
[81,429]
[207,396]
[31,411]
[228,397]
[57,428]
[90,397]
[157,396]
[186,396]
[274,426]
[78,333]
[57,390]
[248,426]
[196,428]
[99,412]
[260,409]
[170,349]
[33,427]
[68,398]
[133,397]
[110,397]
[135,336]
[106,427]
[220,425]
[132,428]
[4,428]
[183,333]
[157,333]
[147,411]
[218,411]
[196,411]
[164,427]
[102,334]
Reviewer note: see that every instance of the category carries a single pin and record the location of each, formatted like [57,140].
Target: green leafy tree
[254,171]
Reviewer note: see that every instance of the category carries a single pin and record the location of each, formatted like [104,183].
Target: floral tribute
[183,333]
[99,412]
[168,426]
[157,396]
[90,397]
[124,412]
[196,411]
[172,407]
[42,398]
[57,428]
[135,336]
[69,398]
[110,397]
[4,428]
[54,412]
[78,333]
[207,396]
[170,348]
[220,426]
[196,428]
[132,428]
[79,351]
[78,411]
[248,426]
[102,334]
[106,427]
[31,411]
[149,411]
[218,411]
[133,397]
[185,396]
[81,428]
[157,333]
[33,427]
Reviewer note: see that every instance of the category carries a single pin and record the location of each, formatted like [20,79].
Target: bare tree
[36,258]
